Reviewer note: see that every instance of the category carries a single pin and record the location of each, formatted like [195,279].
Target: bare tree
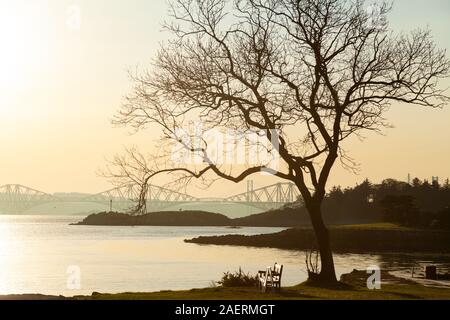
[307,73]
[131,168]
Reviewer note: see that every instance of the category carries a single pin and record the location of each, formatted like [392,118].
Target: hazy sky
[60,86]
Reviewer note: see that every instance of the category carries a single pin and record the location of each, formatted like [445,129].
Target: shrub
[238,279]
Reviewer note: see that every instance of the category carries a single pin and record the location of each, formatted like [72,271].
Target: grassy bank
[352,287]
[300,292]
[351,238]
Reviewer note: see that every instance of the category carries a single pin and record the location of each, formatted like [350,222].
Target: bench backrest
[278,270]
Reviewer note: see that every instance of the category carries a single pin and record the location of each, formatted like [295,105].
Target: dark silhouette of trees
[391,201]
[442,220]
[416,182]
[305,74]
[399,209]
[447,184]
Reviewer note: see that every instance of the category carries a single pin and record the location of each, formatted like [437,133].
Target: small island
[169,218]
[280,218]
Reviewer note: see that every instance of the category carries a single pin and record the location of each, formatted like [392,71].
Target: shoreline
[371,239]
[351,286]
[362,238]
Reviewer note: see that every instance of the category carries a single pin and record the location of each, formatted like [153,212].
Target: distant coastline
[352,238]
[370,238]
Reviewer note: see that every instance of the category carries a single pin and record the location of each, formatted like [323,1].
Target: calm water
[36,251]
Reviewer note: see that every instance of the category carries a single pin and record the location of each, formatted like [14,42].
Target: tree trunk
[327,272]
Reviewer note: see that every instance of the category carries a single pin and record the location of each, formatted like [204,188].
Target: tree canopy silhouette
[309,74]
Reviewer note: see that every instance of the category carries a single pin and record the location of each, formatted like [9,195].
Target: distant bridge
[17,199]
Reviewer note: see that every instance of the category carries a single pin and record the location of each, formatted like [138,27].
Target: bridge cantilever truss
[269,197]
[16,199]
[123,197]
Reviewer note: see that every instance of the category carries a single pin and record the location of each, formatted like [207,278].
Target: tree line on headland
[419,205]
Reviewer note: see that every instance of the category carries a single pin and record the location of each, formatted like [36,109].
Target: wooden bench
[270,278]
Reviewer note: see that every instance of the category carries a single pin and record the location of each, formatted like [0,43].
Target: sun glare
[23,45]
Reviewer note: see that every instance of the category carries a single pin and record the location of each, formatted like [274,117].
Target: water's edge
[45,254]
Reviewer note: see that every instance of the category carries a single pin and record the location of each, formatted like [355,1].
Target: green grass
[300,292]
[374,226]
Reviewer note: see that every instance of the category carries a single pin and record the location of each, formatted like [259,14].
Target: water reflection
[35,253]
